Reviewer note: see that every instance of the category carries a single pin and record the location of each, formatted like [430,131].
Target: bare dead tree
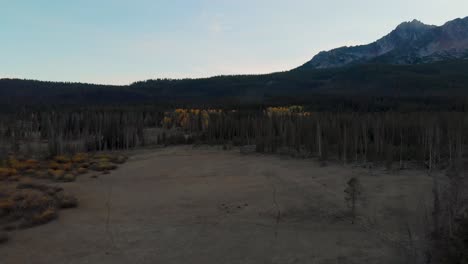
[353,195]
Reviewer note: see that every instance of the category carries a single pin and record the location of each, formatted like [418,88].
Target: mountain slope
[410,43]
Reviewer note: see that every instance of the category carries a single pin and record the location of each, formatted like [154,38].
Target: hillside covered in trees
[432,84]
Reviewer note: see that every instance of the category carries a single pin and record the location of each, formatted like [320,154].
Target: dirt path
[185,205]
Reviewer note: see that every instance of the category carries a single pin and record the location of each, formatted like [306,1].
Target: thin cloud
[216,25]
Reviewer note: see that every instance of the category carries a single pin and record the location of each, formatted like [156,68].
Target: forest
[416,87]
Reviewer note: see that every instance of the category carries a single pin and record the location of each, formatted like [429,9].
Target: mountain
[410,43]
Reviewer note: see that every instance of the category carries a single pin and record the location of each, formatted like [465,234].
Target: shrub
[68,178]
[54,165]
[40,174]
[103,166]
[40,218]
[119,159]
[103,156]
[30,171]
[80,158]
[51,190]
[31,204]
[7,172]
[14,178]
[82,170]
[56,174]
[23,165]
[67,166]
[61,159]
[67,201]
[6,205]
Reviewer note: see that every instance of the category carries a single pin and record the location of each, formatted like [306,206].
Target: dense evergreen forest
[434,85]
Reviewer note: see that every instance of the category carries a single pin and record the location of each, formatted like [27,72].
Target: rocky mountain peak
[409,43]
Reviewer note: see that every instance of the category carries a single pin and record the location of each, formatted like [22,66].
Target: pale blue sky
[118,42]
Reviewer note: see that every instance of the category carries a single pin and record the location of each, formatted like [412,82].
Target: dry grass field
[205,205]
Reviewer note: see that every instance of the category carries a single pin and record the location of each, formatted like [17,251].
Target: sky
[119,42]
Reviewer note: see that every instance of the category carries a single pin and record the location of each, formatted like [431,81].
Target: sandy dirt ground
[204,205]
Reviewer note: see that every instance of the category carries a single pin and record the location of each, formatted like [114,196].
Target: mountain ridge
[371,71]
[410,42]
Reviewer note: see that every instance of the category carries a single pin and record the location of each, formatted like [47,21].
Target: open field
[205,205]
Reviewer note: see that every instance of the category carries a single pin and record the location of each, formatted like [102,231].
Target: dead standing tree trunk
[353,195]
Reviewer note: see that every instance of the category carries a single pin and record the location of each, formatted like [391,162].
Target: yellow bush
[80,158]
[22,165]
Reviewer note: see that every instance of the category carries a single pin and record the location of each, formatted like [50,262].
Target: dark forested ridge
[441,80]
